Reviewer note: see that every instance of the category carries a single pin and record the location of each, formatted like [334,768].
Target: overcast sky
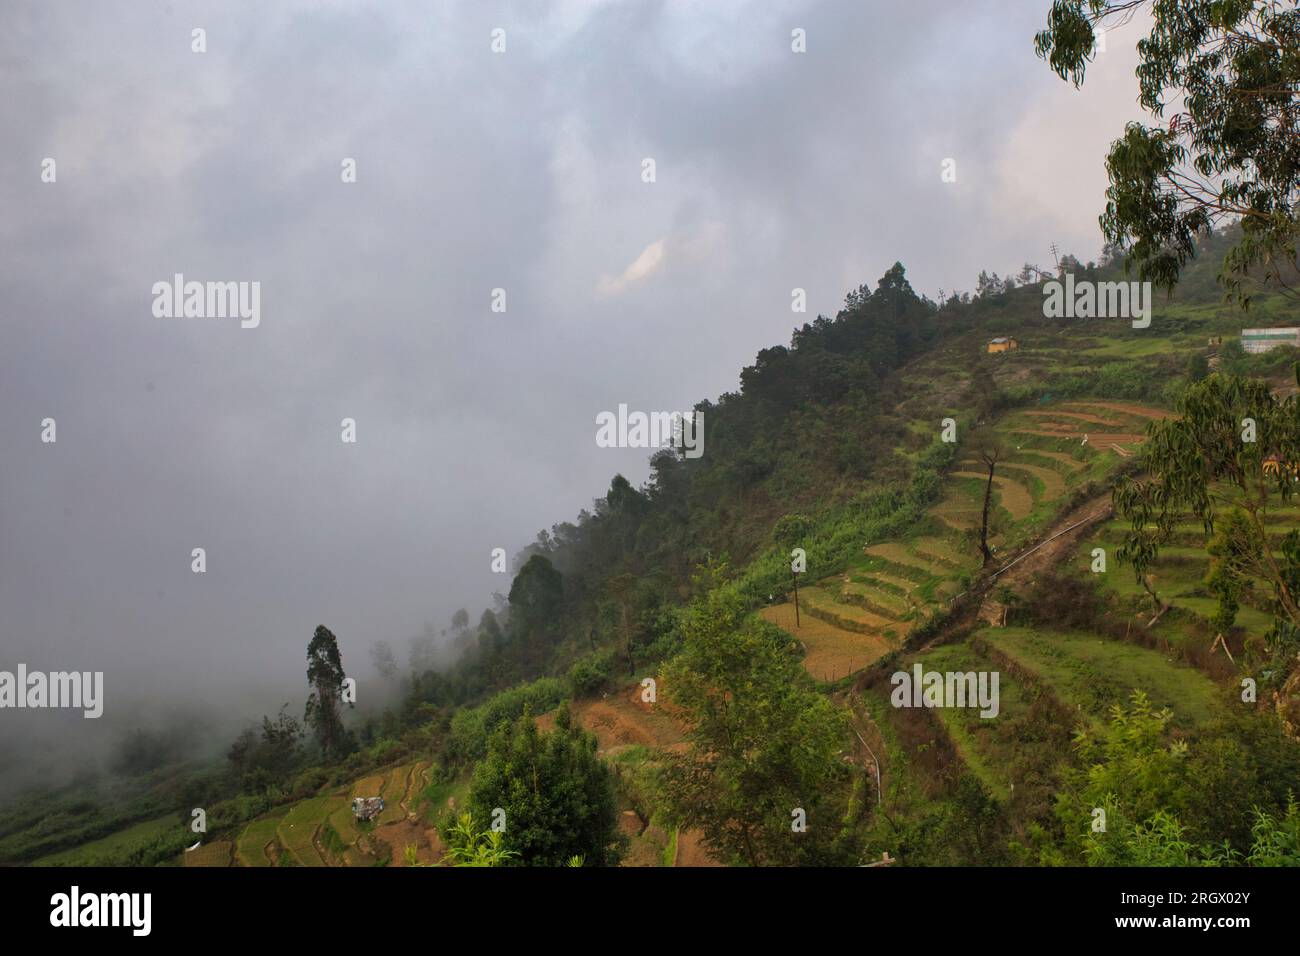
[476,170]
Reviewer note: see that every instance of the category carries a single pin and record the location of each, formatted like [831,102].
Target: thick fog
[475,170]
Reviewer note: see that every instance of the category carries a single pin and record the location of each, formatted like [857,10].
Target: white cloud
[698,245]
[645,265]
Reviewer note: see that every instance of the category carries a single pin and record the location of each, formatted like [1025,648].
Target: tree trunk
[984,524]
[1275,575]
[1157,604]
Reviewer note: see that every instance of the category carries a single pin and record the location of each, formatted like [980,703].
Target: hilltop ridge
[837,445]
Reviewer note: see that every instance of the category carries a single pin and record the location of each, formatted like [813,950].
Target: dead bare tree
[989,449]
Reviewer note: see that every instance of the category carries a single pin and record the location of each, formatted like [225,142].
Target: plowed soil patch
[406,833]
[619,722]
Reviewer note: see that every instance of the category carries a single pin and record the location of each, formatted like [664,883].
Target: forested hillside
[716,706]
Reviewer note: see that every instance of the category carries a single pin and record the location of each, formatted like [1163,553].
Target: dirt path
[1127,408]
[1054,547]
[691,850]
[415,785]
[330,858]
[1075,416]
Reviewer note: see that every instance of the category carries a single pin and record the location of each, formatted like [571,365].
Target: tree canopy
[325,703]
[556,795]
[1231,152]
[766,746]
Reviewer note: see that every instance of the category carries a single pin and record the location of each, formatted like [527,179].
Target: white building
[1261,340]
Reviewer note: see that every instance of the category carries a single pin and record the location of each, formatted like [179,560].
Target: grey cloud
[475,171]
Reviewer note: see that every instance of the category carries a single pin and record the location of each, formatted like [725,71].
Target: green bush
[789,530]
[589,674]
[471,728]
[307,783]
[557,794]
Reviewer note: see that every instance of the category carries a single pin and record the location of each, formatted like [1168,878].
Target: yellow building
[1003,343]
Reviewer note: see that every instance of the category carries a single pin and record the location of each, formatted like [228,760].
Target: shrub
[471,728]
[1059,601]
[589,674]
[556,793]
[790,530]
[308,782]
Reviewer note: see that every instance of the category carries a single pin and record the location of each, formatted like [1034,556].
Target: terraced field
[1069,428]
[1012,494]
[622,720]
[850,620]
[259,844]
[140,832]
[1090,674]
[211,854]
[1043,480]
[344,824]
[1050,681]
[395,787]
[1178,576]
[1105,426]
[297,830]
[298,836]
[986,750]
[419,781]
[961,506]
[831,652]
[1044,679]
[372,786]
[1048,452]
